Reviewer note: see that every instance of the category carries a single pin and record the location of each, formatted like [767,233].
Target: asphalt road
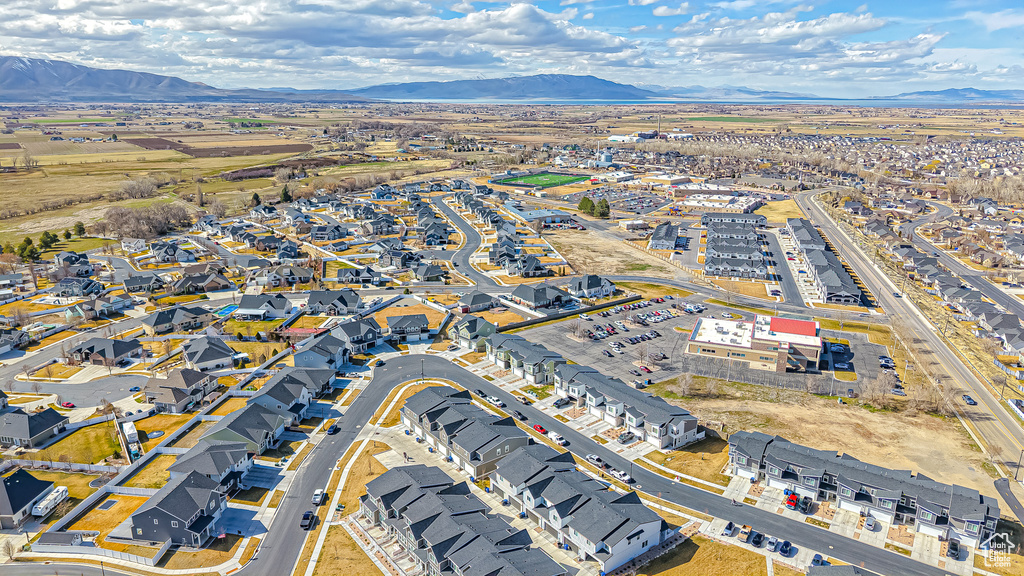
[988,418]
[790,292]
[473,240]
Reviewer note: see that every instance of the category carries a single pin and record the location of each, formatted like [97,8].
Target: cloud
[464,7]
[997,20]
[641,2]
[635,29]
[683,8]
[570,2]
[588,16]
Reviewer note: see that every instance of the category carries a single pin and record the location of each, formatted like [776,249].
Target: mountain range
[35,80]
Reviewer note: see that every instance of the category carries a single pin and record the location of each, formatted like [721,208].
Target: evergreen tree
[286,196]
[79,229]
[256,200]
[602,210]
[67,234]
[586,205]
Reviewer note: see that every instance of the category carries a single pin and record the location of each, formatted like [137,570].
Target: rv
[47,504]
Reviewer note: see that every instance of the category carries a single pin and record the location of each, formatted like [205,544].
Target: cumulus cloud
[588,16]
[683,8]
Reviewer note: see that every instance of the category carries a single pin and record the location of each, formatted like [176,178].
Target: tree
[67,234]
[9,548]
[684,384]
[256,200]
[9,261]
[586,205]
[79,229]
[602,210]
[286,196]
[217,208]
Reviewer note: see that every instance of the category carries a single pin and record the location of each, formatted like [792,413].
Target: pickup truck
[744,534]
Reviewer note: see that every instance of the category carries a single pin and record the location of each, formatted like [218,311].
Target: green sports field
[543,180]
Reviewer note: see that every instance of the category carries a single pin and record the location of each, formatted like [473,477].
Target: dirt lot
[938,447]
[211,151]
[590,253]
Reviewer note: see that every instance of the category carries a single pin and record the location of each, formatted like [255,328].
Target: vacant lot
[700,556]
[341,555]
[937,447]
[590,253]
[703,460]
[780,211]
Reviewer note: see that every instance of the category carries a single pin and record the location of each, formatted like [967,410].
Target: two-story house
[185,511]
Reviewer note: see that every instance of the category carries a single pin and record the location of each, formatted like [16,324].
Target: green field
[733,119]
[543,180]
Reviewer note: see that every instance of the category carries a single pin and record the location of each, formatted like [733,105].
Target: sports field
[543,180]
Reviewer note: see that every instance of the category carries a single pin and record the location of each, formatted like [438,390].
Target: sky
[833,48]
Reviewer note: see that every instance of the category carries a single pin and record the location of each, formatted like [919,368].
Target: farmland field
[543,180]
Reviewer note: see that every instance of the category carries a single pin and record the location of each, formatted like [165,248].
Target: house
[98,307]
[282,275]
[182,389]
[531,362]
[334,302]
[472,438]
[255,426]
[539,296]
[185,511]
[408,328]
[359,334]
[207,353]
[733,218]
[169,252]
[12,338]
[133,245]
[19,492]
[222,461]
[526,266]
[28,429]
[267,243]
[429,273]
[104,352]
[592,521]
[317,381]
[443,528]
[73,286]
[471,331]
[323,352]
[383,192]
[143,283]
[288,250]
[178,318]
[67,258]
[476,301]
[262,307]
[263,212]
[898,497]
[201,283]
[286,396]
[327,233]
[360,276]
[397,259]
[590,286]
[664,237]
[293,217]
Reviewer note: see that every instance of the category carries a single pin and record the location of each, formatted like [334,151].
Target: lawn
[779,211]
[88,445]
[218,552]
[499,316]
[52,338]
[232,326]
[434,317]
[253,496]
[169,423]
[365,468]
[543,180]
[284,450]
[309,321]
[650,290]
[76,483]
[103,521]
[341,555]
[228,406]
[257,349]
[57,371]
[539,392]
[77,245]
[753,309]
[194,434]
[703,460]
[154,474]
[700,556]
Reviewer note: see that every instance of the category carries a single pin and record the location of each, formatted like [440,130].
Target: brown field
[10,146]
[434,317]
[590,253]
[215,149]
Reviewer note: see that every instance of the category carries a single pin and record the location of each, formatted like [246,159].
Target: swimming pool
[227,310]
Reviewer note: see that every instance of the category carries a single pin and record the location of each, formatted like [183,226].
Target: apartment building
[531,362]
[597,524]
[893,496]
[767,343]
[831,279]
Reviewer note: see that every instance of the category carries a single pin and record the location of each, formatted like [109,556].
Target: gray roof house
[255,426]
[470,332]
[595,523]
[408,328]
[317,381]
[284,395]
[168,252]
[664,237]
[104,352]
[532,362]
[28,429]
[326,352]
[360,276]
[539,295]
[19,492]
[476,301]
[590,286]
[178,318]
[182,389]
[263,306]
[143,283]
[185,511]
[222,461]
[359,334]
[208,353]
[333,302]
[75,286]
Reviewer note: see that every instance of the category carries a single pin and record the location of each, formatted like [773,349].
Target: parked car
[969,401]
[805,504]
[773,544]
[756,539]
[67,405]
[584,316]
[953,549]
[540,429]
[744,535]
[480,393]
[307,520]
[556,438]
[842,366]
[494,401]
[135,389]
[608,354]
[379,363]
[595,460]
[785,548]
[523,400]
[728,530]
[561,402]
[869,523]
[897,392]
[318,497]
[635,372]
[792,501]
[626,437]
[620,476]
[817,560]
[645,369]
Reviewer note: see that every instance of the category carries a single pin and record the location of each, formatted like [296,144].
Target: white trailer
[50,501]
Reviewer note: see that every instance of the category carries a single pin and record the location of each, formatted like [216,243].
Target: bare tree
[9,549]
[36,387]
[683,385]
[9,386]
[643,353]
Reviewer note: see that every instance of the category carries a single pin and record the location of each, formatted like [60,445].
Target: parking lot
[621,362]
[622,200]
[802,274]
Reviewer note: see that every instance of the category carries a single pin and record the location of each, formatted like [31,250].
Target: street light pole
[1021,458]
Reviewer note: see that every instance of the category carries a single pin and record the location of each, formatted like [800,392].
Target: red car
[540,429]
[792,501]
[68,405]
[645,369]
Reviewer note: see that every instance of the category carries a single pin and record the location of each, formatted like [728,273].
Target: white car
[621,476]
[556,438]
[318,497]
[496,401]
[584,316]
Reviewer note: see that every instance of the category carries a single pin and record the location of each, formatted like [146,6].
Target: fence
[1017,406]
[69,466]
[568,313]
[740,371]
[95,551]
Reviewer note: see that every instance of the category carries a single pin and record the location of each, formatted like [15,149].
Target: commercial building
[893,496]
[664,237]
[767,343]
